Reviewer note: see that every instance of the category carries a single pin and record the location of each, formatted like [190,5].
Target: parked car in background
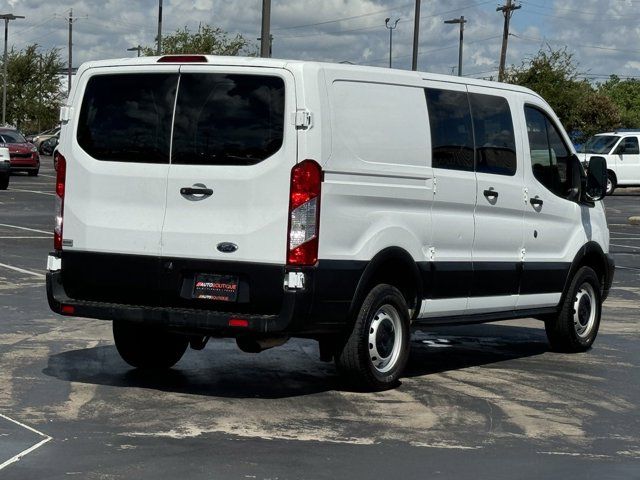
[49,145]
[621,149]
[5,168]
[24,155]
[42,137]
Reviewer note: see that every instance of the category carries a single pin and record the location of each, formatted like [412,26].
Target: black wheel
[4,182]
[145,347]
[34,173]
[575,328]
[612,182]
[377,349]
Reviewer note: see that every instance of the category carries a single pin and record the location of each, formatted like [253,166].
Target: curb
[634,220]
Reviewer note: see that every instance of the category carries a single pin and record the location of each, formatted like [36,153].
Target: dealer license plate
[220,288]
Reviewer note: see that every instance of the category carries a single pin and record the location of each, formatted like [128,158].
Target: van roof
[283,63]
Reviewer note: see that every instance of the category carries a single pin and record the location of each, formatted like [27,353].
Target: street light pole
[137,48]
[391,29]
[461,21]
[6,17]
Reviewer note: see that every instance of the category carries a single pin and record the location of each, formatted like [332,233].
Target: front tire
[146,347]
[575,328]
[612,183]
[376,351]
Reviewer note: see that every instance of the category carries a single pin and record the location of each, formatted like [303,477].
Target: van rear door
[232,153]
[118,160]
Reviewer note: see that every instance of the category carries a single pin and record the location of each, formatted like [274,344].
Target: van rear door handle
[536,202]
[491,194]
[196,191]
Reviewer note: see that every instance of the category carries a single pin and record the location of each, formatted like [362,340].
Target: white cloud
[112,26]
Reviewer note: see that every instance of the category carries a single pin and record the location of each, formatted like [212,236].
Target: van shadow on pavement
[293,370]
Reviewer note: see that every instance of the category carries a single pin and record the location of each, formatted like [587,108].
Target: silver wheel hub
[385,338]
[584,310]
[609,185]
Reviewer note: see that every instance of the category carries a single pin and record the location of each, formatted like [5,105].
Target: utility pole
[70,50]
[71,19]
[461,21]
[6,17]
[159,49]
[391,29]
[265,36]
[507,11]
[416,36]
[137,48]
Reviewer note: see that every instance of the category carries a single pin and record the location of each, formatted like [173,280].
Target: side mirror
[596,186]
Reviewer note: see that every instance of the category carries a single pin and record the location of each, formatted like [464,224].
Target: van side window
[550,157]
[451,130]
[226,119]
[628,146]
[494,136]
[127,118]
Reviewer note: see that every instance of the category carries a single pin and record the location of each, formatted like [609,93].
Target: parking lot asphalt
[484,401]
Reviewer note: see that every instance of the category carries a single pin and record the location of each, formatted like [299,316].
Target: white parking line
[15,458]
[25,228]
[624,246]
[30,191]
[22,270]
[48,176]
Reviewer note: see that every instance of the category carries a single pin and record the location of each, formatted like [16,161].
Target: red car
[24,155]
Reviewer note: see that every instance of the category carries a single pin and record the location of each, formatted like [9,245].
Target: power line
[373,27]
[342,19]
[563,42]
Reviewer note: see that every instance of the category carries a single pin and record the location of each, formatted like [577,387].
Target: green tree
[554,75]
[207,40]
[34,88]
[625,94]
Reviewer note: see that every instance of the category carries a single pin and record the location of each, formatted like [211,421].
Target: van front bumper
[294,305]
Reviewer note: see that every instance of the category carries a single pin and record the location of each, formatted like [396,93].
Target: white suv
[262,199]
[621,150]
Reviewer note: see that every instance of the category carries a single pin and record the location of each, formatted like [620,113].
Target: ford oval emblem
[227,247]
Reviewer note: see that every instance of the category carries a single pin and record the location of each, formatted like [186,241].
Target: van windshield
[601,144]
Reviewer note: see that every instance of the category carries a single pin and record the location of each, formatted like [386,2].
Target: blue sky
[604,35]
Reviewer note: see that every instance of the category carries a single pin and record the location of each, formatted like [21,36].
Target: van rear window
[225,119]
[127,118]
[220,119]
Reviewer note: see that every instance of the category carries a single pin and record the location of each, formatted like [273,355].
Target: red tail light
[61,174]
[304,213]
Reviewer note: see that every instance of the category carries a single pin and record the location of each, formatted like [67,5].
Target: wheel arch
[395,266]
[590,255]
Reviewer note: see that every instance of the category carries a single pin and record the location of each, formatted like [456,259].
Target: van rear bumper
[157,291]
[294,305]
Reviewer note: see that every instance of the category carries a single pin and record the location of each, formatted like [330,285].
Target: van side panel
[378,187]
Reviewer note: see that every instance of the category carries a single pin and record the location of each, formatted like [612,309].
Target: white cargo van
[621,150]
[264,199]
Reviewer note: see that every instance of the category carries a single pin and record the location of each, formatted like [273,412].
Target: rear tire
[4,182]
[146,347]
[34,173]
[575,328]
[376,351]
[612,182]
